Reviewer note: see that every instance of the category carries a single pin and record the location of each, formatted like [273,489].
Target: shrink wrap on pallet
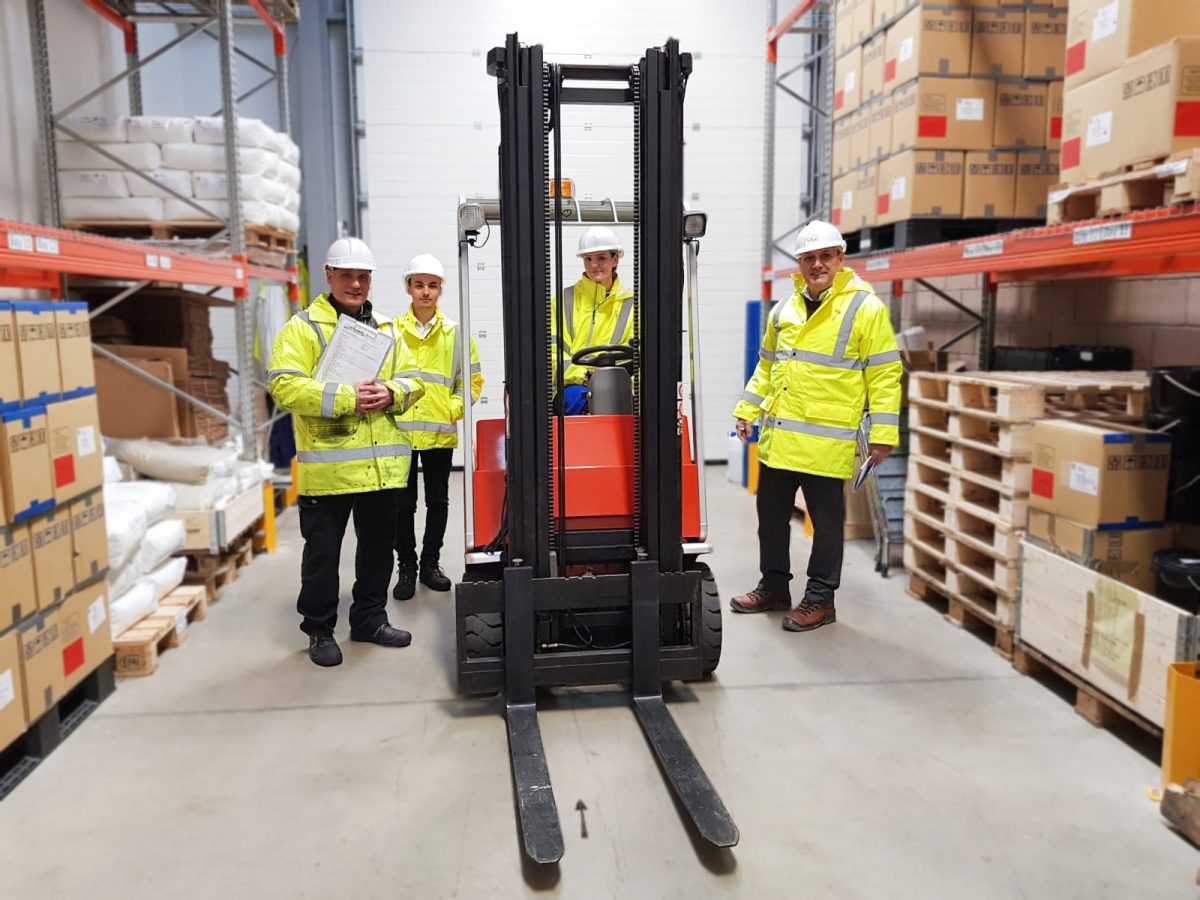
[160,129]
[132,208]
[73,155]
[93,183]
[175,179]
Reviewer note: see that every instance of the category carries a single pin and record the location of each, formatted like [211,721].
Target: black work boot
[406,585]
[434,578]
[384,635]
[323,649]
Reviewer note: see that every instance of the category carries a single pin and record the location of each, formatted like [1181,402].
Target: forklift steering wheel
[605,355]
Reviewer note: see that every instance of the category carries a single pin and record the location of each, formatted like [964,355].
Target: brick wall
[1158,318]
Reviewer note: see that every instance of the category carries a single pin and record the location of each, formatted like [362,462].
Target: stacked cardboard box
[941,107]
[53,550]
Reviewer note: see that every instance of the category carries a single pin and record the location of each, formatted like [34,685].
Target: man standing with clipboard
[341,385]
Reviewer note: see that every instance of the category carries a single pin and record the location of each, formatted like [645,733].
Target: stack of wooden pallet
[969,475]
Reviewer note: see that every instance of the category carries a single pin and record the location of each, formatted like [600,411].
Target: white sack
[137,209]
[131,606]
[253,212]
[122,579]
[289,174]
[177,180]
[250,474]
[288,220]
[189,464]
[215,186]
[167,577]
[211,158]
[291,201]
[250,132]
[155,497]
[72,155]
[162,539]
[125,524]
[101,129]
[96,183]
[291,153]
[210,495]
[160,129]
[112,470]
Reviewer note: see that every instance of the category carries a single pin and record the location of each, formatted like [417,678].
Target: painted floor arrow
[582,807]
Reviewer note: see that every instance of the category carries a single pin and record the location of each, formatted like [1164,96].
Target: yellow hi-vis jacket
[815,377]
[340,451]
[438,355]
[590,318]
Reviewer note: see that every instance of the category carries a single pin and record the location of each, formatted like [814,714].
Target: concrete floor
[890,755]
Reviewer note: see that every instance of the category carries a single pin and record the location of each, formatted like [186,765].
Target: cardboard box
[864,20]
[53,559]
[37,351]
[929,40]
[1045,42]
[1102,34]
[866,185]
[1020,115]
[990,185]
[948,114]
[18,588]
[920,183]
[860,138]
[1054,115]
[872,68]
[89,539]
[10,370]
[63,645]
[844,26]
[1037,173]
[76,454]
[998,42]
[12,694]
[131,407]
[25,463]
[1124,554]
[841,147]
[842,202]
[1091,127]
[847,92]
[180,377]
[884,11]
[1100,477]
[1160,102]
[879,131]
[73,328]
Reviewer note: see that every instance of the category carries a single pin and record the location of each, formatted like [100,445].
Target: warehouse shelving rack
[45,258]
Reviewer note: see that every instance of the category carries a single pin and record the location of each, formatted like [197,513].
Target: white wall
[433,129]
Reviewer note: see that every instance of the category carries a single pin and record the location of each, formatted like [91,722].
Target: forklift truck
[583,532]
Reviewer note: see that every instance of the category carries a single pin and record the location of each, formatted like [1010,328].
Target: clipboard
[356,352]
[867,467]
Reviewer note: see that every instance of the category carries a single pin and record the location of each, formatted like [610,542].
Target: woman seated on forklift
[598,310]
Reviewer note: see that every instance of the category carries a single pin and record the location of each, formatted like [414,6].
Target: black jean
[435,466]
[825,501]
[323,525]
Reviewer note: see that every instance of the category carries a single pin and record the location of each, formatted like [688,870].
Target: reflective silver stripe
[456,364]
[622,321]
[839,349]
[303,316]
[428,377]
[880,359]
[767,355]
[279,373]
[381,451]
[820,359]
[439,427]
[776,313]
[752,398]
[569,310]
[476,368]
[329,400]
[826,431]
[878,418]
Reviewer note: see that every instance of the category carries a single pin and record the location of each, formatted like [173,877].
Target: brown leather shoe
[809,615]
[760,600]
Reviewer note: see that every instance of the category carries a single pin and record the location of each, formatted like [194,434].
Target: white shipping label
[851,81]
[85,440]
[969,109]
[6,688]
[97,613]
[847,199]
[22,242]
[180,623]
[906,49]
[1104,22]
[47,245]
[1085,479]
[899,188]
[1099,129]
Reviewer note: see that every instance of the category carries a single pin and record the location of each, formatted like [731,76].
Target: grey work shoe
[324,650]
[384,635]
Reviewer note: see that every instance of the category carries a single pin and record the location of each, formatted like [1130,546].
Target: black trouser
[825,501]
[435,464]
[323,525]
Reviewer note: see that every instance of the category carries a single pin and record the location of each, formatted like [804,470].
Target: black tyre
[485,636]
[710,621]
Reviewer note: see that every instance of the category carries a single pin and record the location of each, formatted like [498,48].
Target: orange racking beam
[785,25]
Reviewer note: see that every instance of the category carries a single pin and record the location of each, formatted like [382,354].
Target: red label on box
[1071,151]
[1076,57]
[1187,118]
[1042,483]
[883,204]
[839,99]
[836,215]
[72,656]
[1056,127]
[889,70]
[64,470]
[932,126]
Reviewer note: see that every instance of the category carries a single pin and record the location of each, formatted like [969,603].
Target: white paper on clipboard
[863,472]
[356,352]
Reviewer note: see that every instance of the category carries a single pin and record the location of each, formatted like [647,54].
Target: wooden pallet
[214,571]
[1099,395]
[962,612]
[1147,185]
[1097,707]
[987,502]
[930,472]
[138,647]
[984,533]
[929,443]
[1014,439]
[1001,473]
[258,237]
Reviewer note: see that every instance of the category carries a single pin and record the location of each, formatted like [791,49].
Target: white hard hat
[424,264]
[818,235]
[599,238]
[350,253]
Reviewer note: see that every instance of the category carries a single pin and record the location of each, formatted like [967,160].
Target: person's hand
[371,396]
[880,452]
[744,430]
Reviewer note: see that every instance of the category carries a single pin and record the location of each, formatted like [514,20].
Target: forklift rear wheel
[485,636]
[710,621]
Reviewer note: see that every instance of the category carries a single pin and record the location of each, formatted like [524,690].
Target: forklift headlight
[694,225]
[470,217]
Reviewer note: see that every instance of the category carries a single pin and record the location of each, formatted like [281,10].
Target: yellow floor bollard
[752,467]
[269,536]
[1181,731]
[293,491]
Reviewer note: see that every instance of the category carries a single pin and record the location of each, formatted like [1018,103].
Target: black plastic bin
[1177,578]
